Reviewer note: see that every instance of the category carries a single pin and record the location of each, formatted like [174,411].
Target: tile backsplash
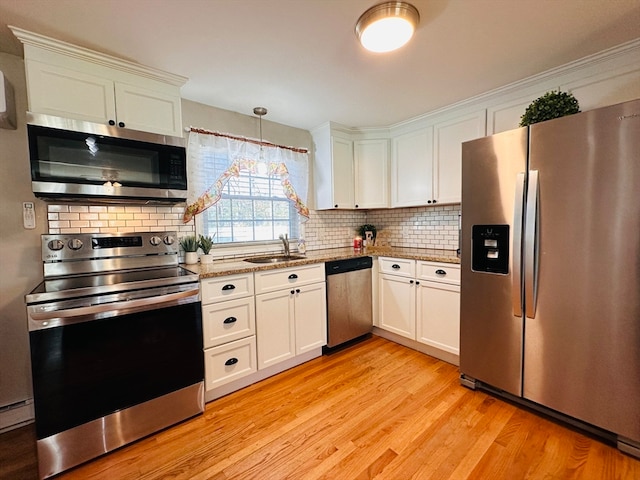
[116,218]
[421,227]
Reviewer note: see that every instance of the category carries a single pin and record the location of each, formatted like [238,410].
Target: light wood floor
[375,410]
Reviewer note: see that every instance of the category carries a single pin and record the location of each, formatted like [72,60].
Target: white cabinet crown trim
[74,51]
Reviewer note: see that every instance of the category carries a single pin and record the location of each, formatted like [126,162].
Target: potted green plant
[368,234]
[190,246]
[549,106]
[206,243]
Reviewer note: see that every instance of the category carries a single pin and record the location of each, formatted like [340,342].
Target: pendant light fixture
[387,26]
[262,166]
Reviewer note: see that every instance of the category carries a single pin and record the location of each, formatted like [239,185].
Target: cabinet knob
[335,206]
[292,292]
[112,122]
[435,201]
[356,205]
[411,282]
[297,290]
[228,287]
[230,320]
[440,272]
[428,201]
[231,361]
[395,266]
[293,276]
[417,282]
[121,124]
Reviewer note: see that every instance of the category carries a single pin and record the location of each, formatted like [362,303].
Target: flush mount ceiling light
[387,26]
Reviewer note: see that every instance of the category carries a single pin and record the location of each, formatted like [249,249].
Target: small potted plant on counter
[190,246]
[368,234]
[206,243]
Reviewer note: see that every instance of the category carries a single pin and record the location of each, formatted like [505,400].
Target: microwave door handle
[516,247]
[531,242]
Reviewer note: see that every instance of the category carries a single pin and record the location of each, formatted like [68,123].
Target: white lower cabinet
[398,305]
[229,328]
[291,314]
[420,301]
[438,306]
[229,362]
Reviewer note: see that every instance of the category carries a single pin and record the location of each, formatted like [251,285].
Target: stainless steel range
[115,331]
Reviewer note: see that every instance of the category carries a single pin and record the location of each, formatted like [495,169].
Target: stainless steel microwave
[74,160]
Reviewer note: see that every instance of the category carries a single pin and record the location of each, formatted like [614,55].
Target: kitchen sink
[274,259]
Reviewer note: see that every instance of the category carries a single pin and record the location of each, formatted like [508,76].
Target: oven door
[89,366]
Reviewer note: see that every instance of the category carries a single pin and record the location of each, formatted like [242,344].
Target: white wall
[20,260]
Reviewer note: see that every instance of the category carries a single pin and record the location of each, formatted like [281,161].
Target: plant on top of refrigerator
[549,106]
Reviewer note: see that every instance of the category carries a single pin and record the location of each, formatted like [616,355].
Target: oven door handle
[120,307]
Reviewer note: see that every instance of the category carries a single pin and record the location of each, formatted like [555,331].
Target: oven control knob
[169,240]
[55,245]
[155,240]
[75,244]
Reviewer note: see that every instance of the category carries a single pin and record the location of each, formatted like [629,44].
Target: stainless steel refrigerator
[550,265]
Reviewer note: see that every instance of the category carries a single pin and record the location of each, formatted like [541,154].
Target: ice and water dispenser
[490,248]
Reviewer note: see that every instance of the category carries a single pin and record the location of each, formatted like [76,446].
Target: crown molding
[98,58]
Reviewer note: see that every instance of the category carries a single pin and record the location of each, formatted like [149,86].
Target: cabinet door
[438,310]
[275,327]
[398,305]
[371,166]
[63,92]
[148,110]
[343,180]
[447,168]
[310,317]
[412,169]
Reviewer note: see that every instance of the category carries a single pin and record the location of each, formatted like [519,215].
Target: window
[249,193]
[252,207]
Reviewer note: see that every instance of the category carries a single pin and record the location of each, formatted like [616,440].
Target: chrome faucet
[285,242]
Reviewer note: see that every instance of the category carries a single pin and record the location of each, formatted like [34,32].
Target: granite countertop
[230,267]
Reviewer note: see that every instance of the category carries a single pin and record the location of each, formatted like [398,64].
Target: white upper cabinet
[447,166]
[77,83]
[349,173]
[371,167]
[333,172]
[412,168]
[426,164]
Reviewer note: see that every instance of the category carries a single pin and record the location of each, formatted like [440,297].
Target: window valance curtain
[218,156]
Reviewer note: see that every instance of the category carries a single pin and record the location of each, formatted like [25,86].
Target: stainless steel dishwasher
[349,308]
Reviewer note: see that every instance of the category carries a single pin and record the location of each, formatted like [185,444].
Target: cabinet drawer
[227,321]
[397,266]
[439,272]
[229,362]
[281,278]
[218,289]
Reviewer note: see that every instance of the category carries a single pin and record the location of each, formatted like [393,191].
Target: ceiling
[301,60]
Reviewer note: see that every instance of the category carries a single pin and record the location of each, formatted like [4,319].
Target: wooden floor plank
[375,410]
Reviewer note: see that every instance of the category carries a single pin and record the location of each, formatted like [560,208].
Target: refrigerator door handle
[531,240]
[516,247]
